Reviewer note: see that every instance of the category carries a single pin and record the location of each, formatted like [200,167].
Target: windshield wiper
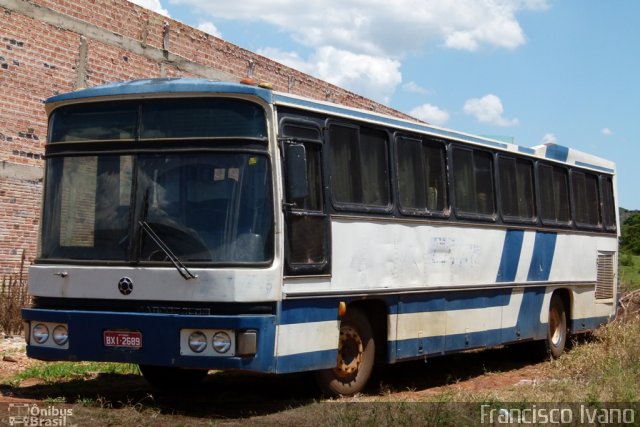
[182,269]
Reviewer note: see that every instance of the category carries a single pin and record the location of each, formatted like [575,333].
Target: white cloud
[414,87]
[209,28]
[359,44]
[384,28]
[549,138]
[367,75]
[153,5]
[430,114]
[535,4]
[488,109]
[607,132]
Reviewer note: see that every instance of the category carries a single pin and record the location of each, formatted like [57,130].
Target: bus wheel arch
[355,358]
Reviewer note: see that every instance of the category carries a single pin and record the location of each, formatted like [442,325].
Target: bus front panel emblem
[125,286]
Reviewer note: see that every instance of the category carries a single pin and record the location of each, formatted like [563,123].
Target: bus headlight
[40,333]
[221,342]
[197,342]
[60,335]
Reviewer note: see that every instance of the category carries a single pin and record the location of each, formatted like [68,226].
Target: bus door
[307,222]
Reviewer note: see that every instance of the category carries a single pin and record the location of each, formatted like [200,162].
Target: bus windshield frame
[206,193]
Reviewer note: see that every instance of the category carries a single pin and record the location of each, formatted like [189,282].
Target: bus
[191,225]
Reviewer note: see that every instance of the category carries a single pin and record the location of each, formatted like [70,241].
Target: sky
[536,71]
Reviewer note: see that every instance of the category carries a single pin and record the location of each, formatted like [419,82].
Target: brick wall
[50,47]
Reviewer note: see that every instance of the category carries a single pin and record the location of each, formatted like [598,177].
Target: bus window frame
[493,217]
[534,190]
[548,222]
[574,208]
[289,208]
[423,140]
[601,179]
[347,207]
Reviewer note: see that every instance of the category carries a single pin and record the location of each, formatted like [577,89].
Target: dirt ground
[230,398]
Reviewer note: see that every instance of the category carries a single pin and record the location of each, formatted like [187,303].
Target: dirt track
[235,396]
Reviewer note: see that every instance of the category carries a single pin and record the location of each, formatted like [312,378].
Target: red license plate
[129,339]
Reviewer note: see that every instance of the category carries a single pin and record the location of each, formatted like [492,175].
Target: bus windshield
[207,207]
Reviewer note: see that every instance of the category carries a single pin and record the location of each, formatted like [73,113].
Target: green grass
[64,371]
[629,271]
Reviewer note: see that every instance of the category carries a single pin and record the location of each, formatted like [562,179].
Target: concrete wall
[51,47]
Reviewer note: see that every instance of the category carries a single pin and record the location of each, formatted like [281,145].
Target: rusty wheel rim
[350,350]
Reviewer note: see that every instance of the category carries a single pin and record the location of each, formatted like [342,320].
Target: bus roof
[156,86]
[159,86]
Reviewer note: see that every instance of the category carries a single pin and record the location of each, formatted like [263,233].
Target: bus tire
[356,354]
[557,327]
[171,378]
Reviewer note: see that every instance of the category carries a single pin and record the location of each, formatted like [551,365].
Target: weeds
[63,371]
[629,271]
[13,296]
[607,369]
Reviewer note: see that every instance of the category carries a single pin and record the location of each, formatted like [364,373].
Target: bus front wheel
[557,328]
[354,363]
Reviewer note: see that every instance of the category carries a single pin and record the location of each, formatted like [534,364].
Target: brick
[49,47]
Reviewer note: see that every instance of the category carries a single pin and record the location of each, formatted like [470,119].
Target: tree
[630,238]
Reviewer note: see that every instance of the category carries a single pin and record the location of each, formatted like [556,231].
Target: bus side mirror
[296,174]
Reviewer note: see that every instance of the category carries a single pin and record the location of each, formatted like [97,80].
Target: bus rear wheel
[172,378]
[356,354]
[557,329]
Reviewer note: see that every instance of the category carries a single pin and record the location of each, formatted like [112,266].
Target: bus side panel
[307,335]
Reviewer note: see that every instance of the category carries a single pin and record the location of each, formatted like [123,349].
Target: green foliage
[63,371]
[630,238]
[629,271]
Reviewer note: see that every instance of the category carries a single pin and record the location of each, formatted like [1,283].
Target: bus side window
[586,200]
[554,194]
[359,168]
[608,203]
[473,183]
[516,189]
[421,176]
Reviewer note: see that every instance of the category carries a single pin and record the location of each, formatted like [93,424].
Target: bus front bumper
[243,342]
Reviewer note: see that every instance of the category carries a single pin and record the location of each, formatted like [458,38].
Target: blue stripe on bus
[587,324]
[557,152]
[308,310]
[452,301]
[528,325]
[542,257]
[306,361]
[510,256]
[160,338]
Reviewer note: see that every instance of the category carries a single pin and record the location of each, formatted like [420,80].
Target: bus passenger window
[421,176]
[586,200]
[516,189]
[359,166]
[554,194]
[473,182]
[608,204]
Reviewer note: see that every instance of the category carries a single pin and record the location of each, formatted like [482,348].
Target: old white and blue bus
[190,225]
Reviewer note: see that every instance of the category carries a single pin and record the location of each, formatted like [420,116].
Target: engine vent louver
[605,284]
